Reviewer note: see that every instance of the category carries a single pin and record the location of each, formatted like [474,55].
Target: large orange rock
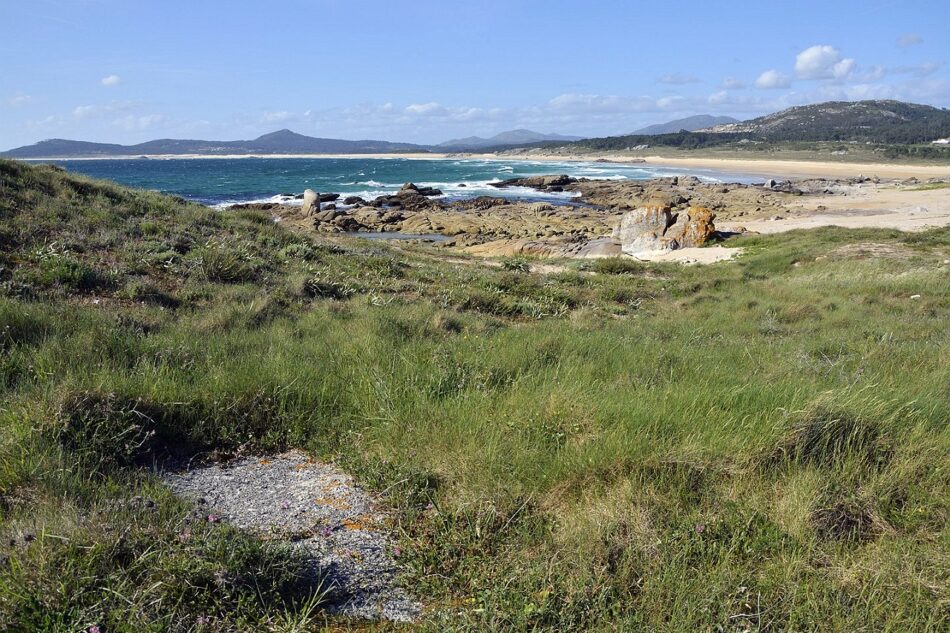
[696,230]
[654,229]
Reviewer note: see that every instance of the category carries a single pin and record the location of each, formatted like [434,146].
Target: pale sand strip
[765,167]
[806,169]
[903,220]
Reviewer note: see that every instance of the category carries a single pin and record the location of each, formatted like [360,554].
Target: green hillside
[870,121]
[754,445]
[894,129]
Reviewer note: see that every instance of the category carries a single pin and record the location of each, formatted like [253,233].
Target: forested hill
[875,121]
[882,122]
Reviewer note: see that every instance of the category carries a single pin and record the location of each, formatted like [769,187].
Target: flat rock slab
[318,508]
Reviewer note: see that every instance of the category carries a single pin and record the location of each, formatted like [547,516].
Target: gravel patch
[318,508]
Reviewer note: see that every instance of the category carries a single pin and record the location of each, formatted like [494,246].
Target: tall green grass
[755,445]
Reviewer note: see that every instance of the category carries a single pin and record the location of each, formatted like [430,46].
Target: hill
[690,124]
[900,129]
[511,137]
[873,121]
[280,142]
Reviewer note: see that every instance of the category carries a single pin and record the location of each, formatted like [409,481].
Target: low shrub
[615,266]
[221,265]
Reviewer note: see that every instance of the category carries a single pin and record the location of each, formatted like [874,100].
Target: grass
[931,186]
[754,445]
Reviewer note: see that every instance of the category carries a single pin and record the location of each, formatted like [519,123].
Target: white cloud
[822,62]
[678,80]
[772,79]
[718,97]
[102,109]
[49,123]
[666,103]
[921,70]
[909,39]
[133,123]
[587,104]
[843,69]
[111,80]
[875,73]
[84,112]
[19,99]
[425,108]
[279,117]
[575,101]
[731,83]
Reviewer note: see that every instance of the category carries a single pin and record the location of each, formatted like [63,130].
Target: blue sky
[424,71]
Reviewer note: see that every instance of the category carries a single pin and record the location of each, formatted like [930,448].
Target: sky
[126,71]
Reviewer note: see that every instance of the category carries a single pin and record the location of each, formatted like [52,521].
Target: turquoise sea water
[221,181]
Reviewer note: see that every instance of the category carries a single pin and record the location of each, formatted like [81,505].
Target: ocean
[222,182]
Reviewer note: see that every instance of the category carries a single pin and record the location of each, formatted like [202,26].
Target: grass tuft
[825,435]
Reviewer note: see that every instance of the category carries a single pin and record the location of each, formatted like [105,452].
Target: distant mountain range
[280,142]
[512,137]
[690,124]
[892,122]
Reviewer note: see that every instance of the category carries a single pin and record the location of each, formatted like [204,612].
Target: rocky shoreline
[643,219]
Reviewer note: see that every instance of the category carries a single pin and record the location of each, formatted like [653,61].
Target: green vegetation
[932,186]
[879,122]
[756,445]
[841,131]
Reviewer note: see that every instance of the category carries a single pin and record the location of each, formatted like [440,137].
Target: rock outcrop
[412,188]
[650,230]
[541,183]
[311,202]
[696,230]
[643,231]
[560,247]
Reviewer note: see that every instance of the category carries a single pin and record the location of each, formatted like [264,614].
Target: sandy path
[337,526]
[707,255]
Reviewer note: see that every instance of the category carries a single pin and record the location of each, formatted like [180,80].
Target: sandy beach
[906,208]
[806,169]
[767,168]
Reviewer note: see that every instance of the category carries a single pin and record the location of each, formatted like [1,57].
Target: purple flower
[397,551]
[430,506]
[700,528]
[94,629]
[285,505]
[327,531]
[213,518]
